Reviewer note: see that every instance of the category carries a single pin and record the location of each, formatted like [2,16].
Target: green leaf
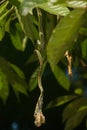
[7,24]
[18,87]
[77,3]
[28,5]
[60,101]
[78,91]
[3,8]
[19,84]
[3,19]
[17,70]
[75,120]
[82,108]
[33,80]
[84,48]
[15,2]
[29,27]
[49,25]
[4,90]
[20,1]
[54,9]
[17,37]
[83,31]
[73,107]
[63,35]
[72,3]
[2,29]
[61,77]
[32,58]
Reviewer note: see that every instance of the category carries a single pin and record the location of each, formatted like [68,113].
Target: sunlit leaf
[61,77]
[77,3]
[71,3]
[63,35]
[55,9]
[4,90]
[60,101]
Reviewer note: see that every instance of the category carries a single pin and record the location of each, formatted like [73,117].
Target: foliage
[52,27]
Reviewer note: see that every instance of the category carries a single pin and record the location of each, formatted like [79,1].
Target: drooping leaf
[17,37]
[3,8]
[33,80]
[8,23]
[3,19]
[17,70]
[63,35]
[75,120]
[19,84]
[4,90]
[60,101]
[28,25]
[32,59]
[61,77]
[72,108]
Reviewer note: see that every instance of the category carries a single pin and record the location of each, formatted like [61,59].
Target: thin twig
[38,115]
[41,32]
